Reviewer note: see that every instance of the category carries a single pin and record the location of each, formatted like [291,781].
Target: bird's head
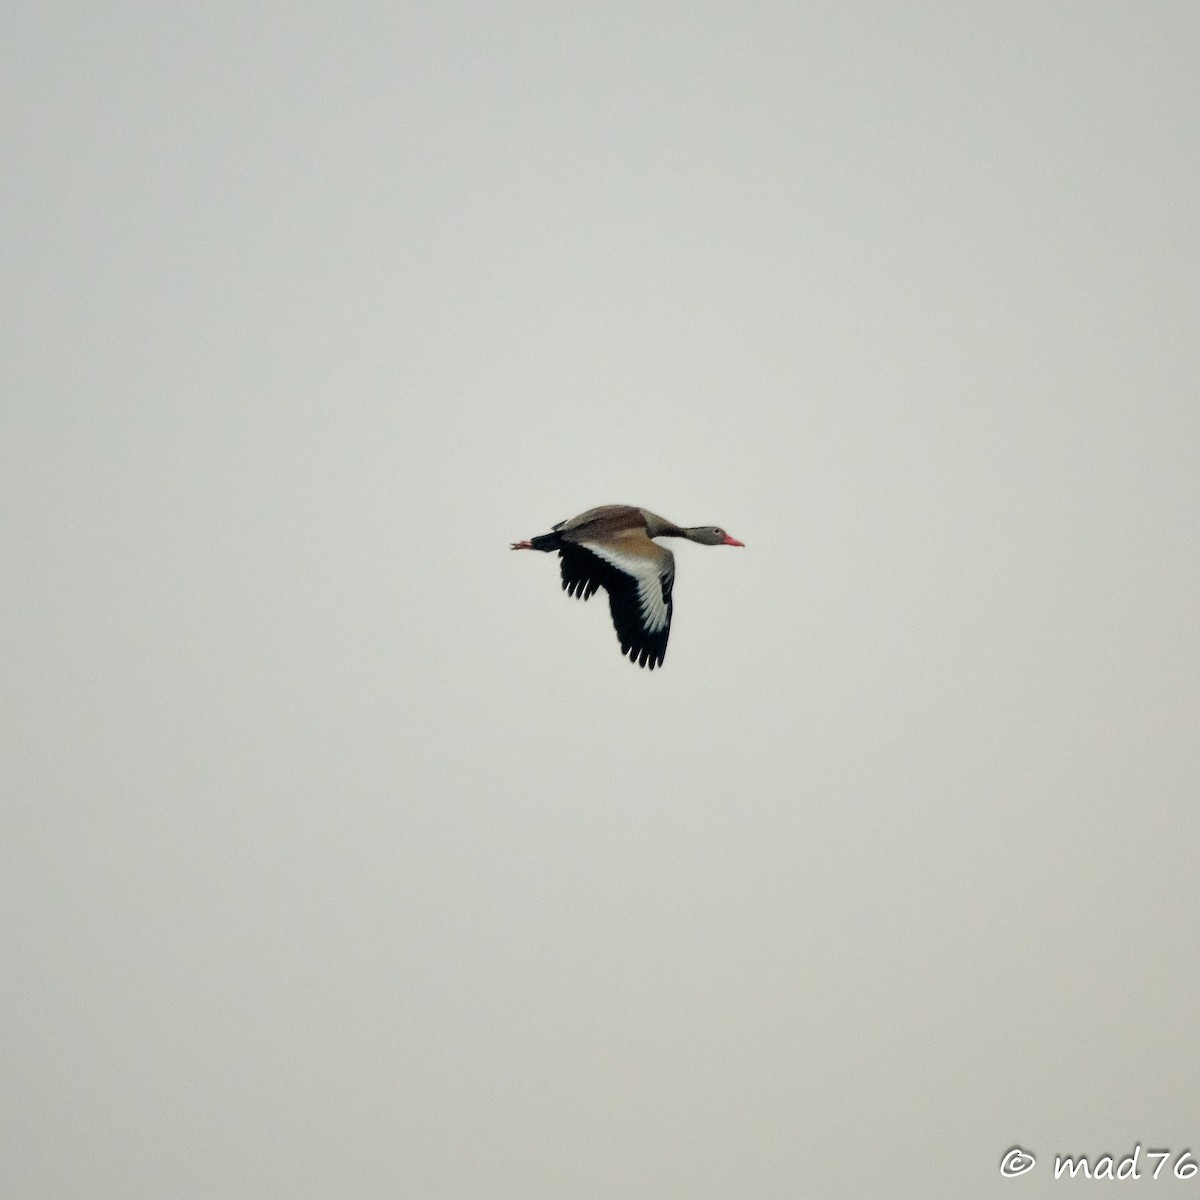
[712,535]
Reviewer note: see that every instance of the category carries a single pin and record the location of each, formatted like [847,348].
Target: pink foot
[522,545]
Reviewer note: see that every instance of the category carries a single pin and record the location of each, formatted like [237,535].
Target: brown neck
[657,526]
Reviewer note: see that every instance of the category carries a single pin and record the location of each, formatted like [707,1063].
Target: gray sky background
[343,855]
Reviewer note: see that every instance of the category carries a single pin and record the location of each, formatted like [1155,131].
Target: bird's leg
[522,545]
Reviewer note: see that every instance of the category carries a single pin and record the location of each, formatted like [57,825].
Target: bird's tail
[545,541]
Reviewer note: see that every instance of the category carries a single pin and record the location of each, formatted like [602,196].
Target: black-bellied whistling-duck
[610,547]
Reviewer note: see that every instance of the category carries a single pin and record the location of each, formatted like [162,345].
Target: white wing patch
[654,611]
[647,572]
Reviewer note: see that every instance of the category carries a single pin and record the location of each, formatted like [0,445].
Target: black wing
[583,572]
[580,571]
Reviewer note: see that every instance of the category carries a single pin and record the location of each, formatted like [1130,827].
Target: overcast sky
[343,855]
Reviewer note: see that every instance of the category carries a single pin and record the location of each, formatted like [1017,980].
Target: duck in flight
[611,547]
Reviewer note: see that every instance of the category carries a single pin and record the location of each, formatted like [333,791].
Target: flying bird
[611,548]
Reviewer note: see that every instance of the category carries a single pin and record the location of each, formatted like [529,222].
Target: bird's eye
[719,532]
